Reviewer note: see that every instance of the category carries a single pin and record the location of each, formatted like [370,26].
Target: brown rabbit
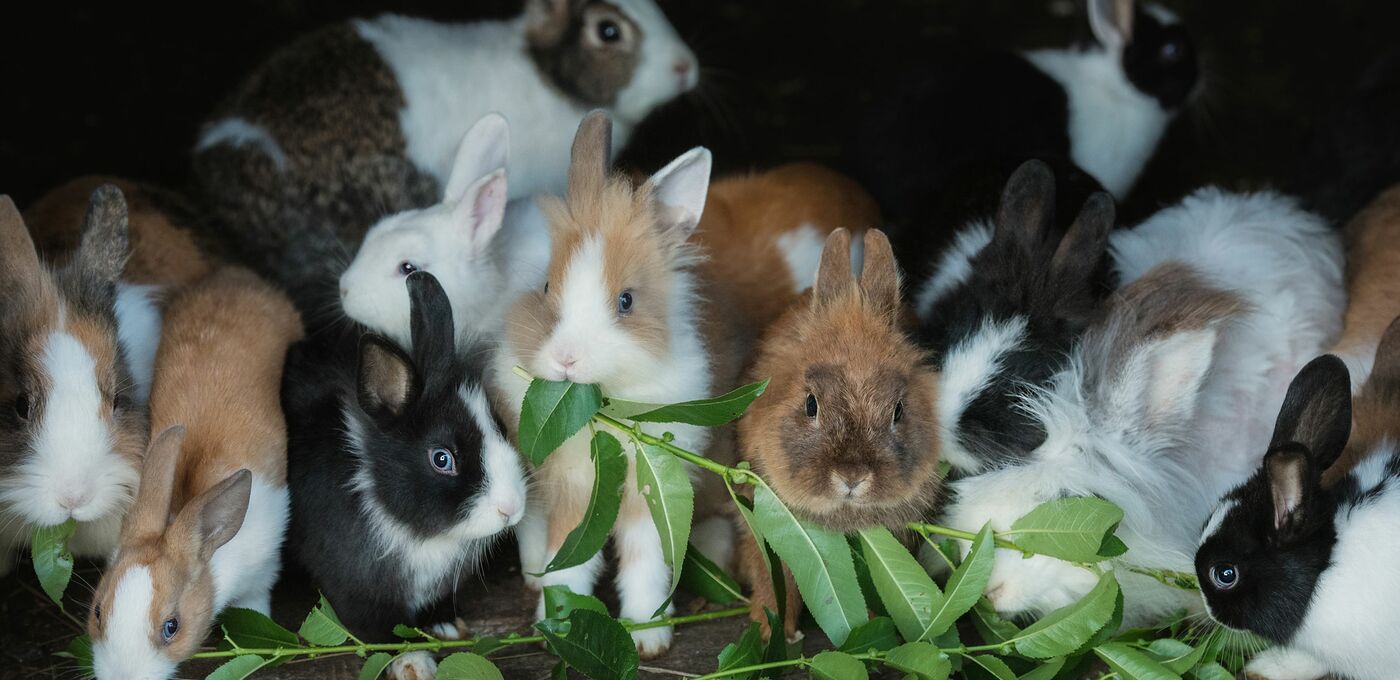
[845,433]
[163,249]
[211,509]
[763,233]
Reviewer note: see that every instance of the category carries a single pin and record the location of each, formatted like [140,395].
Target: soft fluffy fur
[207,527]
[74,422]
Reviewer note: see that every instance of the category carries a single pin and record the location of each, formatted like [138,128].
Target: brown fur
[563,41]
[842,343]
[745,216]
[1375,409]
[164,251]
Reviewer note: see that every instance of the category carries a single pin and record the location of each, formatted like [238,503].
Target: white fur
[453,74]
[802,252]
[954,266]
[432,561]
[238,132]
[138,331]
[966,371]
[127,652]
[1113,127]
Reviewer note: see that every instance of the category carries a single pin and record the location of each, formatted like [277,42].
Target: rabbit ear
[589,159]
[834,275]
[387,381]
[1112,22]
[879,276]
[1027,208]
[105,247]
[431,326]
[1386,370]
[150,514]
[214,517]
[1292,478]
[481,210]
[1316,412]
[679,190]
[19,261]
[1082,249]
[483,150]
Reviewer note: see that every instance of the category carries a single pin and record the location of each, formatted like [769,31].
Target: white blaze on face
[665,68]
[587,342]
[127,652]
[502,504]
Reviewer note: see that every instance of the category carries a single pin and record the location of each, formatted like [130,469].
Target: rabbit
[77,348]
[361,119]
[1000,313]
[400,472]
[166,247]
[936,150]
[1165,402]
[846,432]
[211,510]
[1309,566]
[624,307]
[482,250]
[764,232]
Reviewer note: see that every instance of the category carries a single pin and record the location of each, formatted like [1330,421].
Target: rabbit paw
[652,642]
[1282,663]
[414,666]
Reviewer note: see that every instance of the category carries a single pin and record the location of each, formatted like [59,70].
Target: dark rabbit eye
[169,629]
[1224,576]
[811,405]
[443,461]
[24,408]
[546,286]
[609,31]
[407,268]
[624,302]
[898,411]
[97,611]
[1170,51]
[121,403]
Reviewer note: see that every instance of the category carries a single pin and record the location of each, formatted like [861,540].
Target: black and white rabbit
[935,153]
[361,119]
[1311,567]
[400,473]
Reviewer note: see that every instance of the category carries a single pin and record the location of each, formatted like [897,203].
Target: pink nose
[681,67]
[72,500]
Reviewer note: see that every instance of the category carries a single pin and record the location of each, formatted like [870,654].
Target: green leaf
[560,603]
[910,596]
[237,669]
[322,627]
[407,632]
[664,483]
[552,412]
[1074,529]
[53,562]
[467,666]
[878,633]
[375,665]
[1211,671]
[921,659]
[831,665]
[1176,655]
[820,562]
[589,537]
[867,586]
[745,508]
[700,576]
[560,671]
[990,625]
[1045,671]
[711,412]
[991,666]
[965,586]
[1067,628]
[1130,664]
[80,651]
[1112,547]
[593,644]
[746,652]
[252,630]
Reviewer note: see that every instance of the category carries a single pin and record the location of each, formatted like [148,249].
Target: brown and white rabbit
[763,233]
[624,308]
[164,250]
[207,527]
[845,432]
[76,351]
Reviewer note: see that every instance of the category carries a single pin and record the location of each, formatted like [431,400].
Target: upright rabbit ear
[214,517]
[1386,370]
[105,247]
[834,275]
[590,157]
[1112,22]
[483,150]
[150,513]
[1316,412]
[1082,249]
[680,188]
[879,276]
[1292,478]
[481,211]
[387,381]
[1027,208]
[430,326]
[19,261]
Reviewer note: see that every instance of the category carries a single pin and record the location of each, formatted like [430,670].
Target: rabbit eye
[169,629]
[121,403]
[546,286]
[443,461]
[811,405]
[1170,52]
[407,268]
[1224,576]
[898,411]
[624,302]
[97,611]
[24,407]
[609,31]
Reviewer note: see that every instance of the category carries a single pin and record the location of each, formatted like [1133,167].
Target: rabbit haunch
[76,355]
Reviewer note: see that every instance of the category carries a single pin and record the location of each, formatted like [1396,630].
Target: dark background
[106,88]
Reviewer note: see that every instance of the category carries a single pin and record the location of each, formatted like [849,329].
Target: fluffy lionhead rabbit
[210,514]
[846,431]
[401,473]
[1306,565]
[621,308]
[76,354]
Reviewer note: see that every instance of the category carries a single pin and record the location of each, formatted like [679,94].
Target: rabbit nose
[683,69]
[851,484]
[509,509]
[74,498]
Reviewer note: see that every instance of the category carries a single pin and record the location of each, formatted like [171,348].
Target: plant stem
[789,663]
[438,645]
[926,528]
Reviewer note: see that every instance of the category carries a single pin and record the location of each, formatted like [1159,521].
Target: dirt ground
[106,87]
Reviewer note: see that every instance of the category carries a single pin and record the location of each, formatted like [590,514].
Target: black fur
[331,536]
[1161,60]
